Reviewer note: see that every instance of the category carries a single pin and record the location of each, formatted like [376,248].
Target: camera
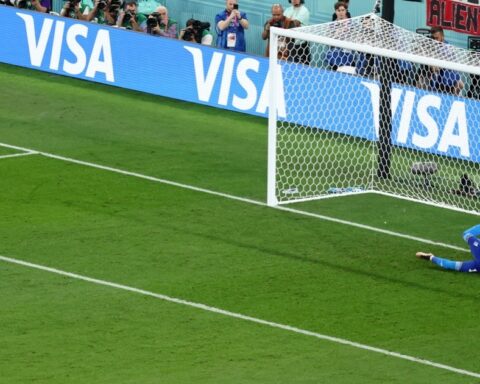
[189,34]
[235,6]
[102,4]
[113,8]
[128,16]
[199,25]
[70,8]
[195,29]
[153,20]
[277,23]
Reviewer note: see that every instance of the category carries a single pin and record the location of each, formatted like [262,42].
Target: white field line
[242,199]
[241,317]
[18,155]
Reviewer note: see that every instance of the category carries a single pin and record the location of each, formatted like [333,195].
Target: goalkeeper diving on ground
[471,237]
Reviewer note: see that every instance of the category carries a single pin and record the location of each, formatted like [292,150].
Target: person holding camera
[73,9]
[128,18]
[197,31]
[159,24]
[104,12]
[230,25]
[280,21]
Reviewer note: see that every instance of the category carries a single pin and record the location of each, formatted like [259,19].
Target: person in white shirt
[298,11]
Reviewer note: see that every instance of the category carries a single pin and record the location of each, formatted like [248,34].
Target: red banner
[458,15]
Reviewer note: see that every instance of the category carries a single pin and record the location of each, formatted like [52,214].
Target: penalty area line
[238,198]
[235,315]
[18,155]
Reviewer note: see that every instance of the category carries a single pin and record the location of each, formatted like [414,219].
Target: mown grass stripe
[240,316]
[238,198]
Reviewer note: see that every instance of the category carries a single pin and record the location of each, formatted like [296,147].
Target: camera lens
[152,22]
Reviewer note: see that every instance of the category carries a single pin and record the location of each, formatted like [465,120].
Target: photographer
[104,12]
[72,10]
[197,32]
[159,24]
[130,19]
[280,21]
[230,25]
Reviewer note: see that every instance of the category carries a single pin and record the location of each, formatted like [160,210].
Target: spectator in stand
[474,83]
[341,10]
[300,52]
[474,89]
[196,31]
[43,6]
[444,80]
[280,21]
[335,16]
[339,57]
[165,26]
[81,10]
[230,25]
[130,19]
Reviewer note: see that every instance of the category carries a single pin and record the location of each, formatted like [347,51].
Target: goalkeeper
[470,236]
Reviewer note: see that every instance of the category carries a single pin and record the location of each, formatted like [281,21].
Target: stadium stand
[409,15]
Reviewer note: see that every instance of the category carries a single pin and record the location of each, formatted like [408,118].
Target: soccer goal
[363,106]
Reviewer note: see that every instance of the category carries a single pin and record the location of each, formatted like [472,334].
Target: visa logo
[224,68]
[452,136]
[99,60]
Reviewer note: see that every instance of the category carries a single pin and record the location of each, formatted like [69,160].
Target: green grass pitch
[288,268]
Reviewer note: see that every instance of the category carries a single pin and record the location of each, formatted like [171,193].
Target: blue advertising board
[426,121]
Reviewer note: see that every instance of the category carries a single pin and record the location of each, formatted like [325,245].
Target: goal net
[361,105]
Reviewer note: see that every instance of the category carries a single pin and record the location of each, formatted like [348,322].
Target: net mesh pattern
[333,133]
[372,30]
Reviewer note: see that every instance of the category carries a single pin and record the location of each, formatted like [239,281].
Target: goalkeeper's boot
[424,256]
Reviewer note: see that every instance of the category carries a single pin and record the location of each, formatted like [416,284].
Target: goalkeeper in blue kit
[470,236]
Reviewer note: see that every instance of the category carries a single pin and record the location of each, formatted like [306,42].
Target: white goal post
[329,133]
